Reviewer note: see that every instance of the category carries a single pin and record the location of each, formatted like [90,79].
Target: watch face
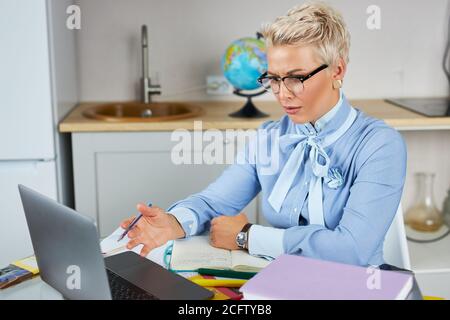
[240,239]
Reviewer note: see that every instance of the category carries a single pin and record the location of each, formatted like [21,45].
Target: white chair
[395,245]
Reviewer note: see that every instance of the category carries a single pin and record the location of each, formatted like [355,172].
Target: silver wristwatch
[242,237]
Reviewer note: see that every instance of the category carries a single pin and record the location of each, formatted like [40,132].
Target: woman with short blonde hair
[314,24]
[340,175]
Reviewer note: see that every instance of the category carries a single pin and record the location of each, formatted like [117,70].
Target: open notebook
[196,252]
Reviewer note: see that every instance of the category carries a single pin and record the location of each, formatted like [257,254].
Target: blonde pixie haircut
[313,23]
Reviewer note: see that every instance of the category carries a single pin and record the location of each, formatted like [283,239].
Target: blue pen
[132,224]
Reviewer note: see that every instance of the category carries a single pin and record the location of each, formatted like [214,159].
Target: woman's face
[318,95]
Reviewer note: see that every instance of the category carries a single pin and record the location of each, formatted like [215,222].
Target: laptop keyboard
[123,290]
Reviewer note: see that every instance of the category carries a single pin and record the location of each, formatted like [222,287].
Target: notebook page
[110,245]
[242,261]
[196,252]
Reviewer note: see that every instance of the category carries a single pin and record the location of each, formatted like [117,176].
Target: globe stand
[248,110]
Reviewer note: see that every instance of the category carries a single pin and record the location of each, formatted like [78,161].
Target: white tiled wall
[188,38]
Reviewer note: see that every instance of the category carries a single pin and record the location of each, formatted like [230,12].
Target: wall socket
[218,85]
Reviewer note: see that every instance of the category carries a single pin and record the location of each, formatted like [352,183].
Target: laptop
[69,258]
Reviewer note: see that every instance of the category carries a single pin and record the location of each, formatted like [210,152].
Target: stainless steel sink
[142,112]
[145,110]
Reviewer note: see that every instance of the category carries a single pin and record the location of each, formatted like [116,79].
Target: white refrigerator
[37,88]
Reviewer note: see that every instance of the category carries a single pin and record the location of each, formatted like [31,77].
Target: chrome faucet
[147,89]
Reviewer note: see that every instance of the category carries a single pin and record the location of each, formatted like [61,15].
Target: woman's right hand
[154,229]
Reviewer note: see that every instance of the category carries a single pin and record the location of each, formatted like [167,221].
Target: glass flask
[424,215]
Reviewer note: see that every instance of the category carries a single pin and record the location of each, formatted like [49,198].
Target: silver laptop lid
[66,246]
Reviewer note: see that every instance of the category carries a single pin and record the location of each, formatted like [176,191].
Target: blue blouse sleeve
[228,195]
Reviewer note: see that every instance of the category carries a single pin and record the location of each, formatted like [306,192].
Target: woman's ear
[339,70]
[338,73]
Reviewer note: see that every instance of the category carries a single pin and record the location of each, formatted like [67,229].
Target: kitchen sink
[142,112]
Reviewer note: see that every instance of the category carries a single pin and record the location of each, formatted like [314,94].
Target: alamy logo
[227,147]
[374,280]
[374,20]
[74,19]
[73,281]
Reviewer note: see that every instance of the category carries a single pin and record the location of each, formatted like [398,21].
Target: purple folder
[291,277]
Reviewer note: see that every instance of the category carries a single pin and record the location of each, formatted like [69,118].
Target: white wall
[188,38]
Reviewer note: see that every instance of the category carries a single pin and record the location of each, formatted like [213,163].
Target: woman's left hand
[224,230]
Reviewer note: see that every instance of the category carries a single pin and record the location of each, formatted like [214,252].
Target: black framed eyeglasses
[294,83]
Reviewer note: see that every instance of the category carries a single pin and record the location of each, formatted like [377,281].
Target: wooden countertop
[215,116]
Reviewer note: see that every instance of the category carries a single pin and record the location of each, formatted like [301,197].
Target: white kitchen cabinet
[428,151]
[114,171]
[431,264]
[434,284]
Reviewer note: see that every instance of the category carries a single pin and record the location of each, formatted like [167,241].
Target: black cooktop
[430,107]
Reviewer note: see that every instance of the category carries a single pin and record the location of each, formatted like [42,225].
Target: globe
[243,62]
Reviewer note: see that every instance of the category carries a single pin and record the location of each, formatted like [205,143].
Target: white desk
[34,289]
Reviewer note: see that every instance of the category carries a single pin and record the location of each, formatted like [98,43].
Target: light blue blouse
[357,165]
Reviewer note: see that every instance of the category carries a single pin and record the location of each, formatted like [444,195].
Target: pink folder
[291,277]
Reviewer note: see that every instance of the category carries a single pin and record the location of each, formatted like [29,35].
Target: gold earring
[337,84]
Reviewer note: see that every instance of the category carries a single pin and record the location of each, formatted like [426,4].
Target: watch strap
[246,227]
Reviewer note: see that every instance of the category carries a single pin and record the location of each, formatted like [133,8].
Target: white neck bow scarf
[320,163]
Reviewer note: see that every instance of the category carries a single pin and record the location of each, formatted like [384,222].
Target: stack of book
[17,272]
[292,277]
